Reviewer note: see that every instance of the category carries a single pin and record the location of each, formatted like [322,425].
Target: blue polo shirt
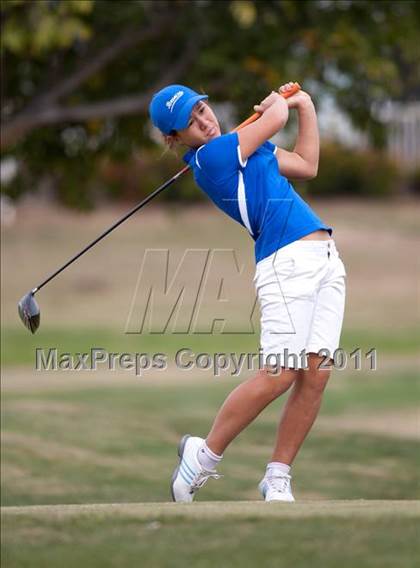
[253,192]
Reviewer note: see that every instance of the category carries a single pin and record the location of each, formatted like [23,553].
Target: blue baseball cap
[171,107]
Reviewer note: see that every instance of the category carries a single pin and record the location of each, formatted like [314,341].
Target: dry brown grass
[222,510]
[399,424]
[378,242]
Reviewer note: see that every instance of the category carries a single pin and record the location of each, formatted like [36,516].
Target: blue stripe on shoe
[186,473]
[188,468]
[182,474]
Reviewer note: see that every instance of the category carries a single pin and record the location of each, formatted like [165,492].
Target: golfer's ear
[171,139]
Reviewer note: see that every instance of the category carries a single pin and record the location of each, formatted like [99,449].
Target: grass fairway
[73,438]
[227,534]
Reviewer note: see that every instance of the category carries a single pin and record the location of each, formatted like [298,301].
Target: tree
[78,74]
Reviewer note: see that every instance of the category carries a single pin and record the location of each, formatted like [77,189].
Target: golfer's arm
[272,120]
[302,162]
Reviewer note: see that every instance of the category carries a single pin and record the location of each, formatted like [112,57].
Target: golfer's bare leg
[245,403]
[300,411]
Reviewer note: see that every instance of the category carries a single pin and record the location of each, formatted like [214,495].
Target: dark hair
[170,144]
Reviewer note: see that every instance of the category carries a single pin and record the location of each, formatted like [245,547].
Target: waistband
[305,247]
[309,245]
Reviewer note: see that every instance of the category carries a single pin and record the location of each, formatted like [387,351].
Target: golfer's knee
[273,385]
[315,382]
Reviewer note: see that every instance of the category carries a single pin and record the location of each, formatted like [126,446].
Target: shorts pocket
[274,272]
[284,268]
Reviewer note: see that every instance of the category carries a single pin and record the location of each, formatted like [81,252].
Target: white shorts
[301,290]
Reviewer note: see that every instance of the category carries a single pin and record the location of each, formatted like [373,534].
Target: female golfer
[300,279]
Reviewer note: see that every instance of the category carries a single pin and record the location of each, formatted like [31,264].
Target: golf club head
[29,312]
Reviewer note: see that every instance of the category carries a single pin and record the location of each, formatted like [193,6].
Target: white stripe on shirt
[243,163]
[196,159]
[242,202]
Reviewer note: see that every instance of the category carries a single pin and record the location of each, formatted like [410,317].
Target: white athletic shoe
[276,487]
[189,475]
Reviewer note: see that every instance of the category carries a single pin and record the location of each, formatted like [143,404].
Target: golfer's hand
[298,100]
[272,98]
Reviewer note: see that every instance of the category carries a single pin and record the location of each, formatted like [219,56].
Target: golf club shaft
[114,226]
[249,120]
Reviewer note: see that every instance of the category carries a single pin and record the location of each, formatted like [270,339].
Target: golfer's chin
[215,133]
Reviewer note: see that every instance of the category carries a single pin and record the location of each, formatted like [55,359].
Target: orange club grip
[295,88]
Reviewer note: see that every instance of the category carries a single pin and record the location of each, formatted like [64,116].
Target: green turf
[118,443]
[244,540]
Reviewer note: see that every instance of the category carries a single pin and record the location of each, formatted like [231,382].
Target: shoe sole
[181,447]
[262,490]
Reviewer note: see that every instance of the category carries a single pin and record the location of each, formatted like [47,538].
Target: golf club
[28,308]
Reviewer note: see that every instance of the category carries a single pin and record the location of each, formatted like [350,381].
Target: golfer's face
[202,127]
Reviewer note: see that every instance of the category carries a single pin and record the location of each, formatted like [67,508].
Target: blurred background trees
[77,77]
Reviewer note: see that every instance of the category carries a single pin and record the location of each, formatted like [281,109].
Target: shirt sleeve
[270,146]
[219,159]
